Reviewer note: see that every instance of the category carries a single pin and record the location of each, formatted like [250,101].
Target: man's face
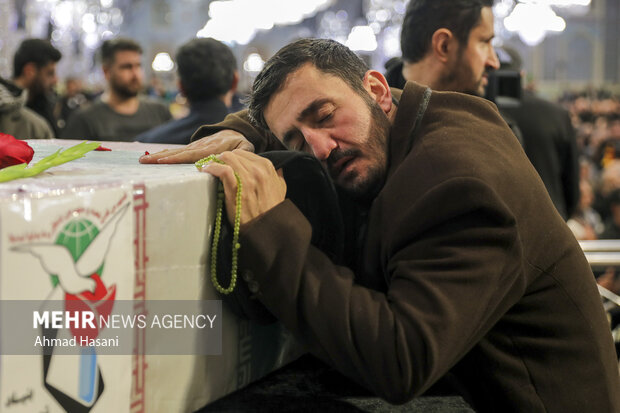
[319,112]
[468,72]
[44,80]
[125,74]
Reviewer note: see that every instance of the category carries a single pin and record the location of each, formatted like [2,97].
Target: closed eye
[326,118]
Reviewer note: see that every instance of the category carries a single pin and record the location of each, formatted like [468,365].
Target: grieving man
[464,265]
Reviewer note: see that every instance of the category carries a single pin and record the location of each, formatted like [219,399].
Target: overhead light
[162,62]
[238,21]
[362,38]
[532,21]
[254,63]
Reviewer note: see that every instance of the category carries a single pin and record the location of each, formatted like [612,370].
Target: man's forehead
[297,82]
[487,19]
[124,56]
[49,67]
[309,84]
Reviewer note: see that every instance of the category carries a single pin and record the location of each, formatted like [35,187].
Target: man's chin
[357,187]
[127,94]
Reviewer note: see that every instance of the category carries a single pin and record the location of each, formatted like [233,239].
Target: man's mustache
[338,154]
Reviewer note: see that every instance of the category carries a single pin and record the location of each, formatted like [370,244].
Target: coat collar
[411,108]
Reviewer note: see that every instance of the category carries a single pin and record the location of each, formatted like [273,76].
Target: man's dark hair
[109,48]
[326,55]
[206,68]
[39,51]
[425,17]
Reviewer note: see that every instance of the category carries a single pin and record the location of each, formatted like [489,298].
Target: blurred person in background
[121,113]
[548,140]
[585,222]
[18,120]
[34,69]
[73,99]
[208,78]
[612,223]
[446,44]
[609,181]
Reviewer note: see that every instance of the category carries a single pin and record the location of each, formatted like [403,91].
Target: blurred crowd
[35,105]
[596,117]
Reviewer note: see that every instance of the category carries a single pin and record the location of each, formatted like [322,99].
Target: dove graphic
[74,277]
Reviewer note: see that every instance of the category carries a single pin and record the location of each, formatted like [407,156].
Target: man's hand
[262,187]
[224,140]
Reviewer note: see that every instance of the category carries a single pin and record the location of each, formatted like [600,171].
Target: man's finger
[246,146]
[152,158]
[258,164]
[238,164]
[225,174]
[187,156]
[247,155]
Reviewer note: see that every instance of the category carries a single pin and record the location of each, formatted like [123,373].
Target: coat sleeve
[239,121]
[451,275]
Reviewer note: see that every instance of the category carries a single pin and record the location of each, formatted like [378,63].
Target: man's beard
[37,90]
[124,91]
[460,78]
[375,146]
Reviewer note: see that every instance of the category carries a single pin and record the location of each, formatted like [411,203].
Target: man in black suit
[549,142]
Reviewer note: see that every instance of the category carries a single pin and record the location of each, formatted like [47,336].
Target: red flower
[13,151]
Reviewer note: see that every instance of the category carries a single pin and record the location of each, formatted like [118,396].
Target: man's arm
[234,132]
[452,265]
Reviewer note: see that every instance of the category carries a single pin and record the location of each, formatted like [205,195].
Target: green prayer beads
[218,229]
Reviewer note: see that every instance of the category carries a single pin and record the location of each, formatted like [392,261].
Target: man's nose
[320,142]
[493,60]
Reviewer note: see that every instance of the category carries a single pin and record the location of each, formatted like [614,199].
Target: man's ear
[29,71]
[377,86]
[106,71]
[443,44]
[235,82]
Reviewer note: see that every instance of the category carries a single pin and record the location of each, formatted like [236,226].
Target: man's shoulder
[34,118]
[441,116]
[154,109]
[151,103]
[36,126]
[454,135]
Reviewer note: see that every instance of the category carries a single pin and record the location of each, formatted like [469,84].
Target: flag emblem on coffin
[75,262]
